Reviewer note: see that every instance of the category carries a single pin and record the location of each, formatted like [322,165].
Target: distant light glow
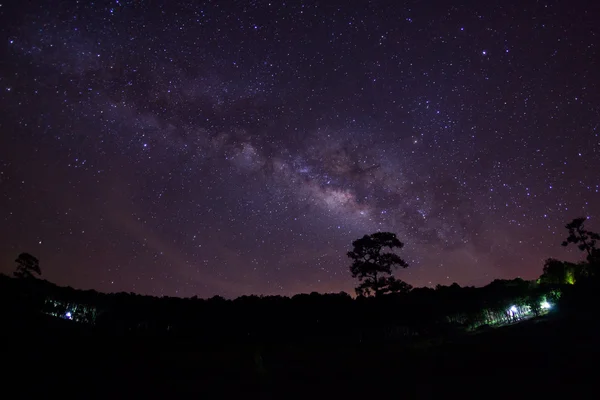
[545,305]
[69,315]
[513,309]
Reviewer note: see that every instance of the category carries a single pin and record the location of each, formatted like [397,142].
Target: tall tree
[27,265]
[372,265]
[584,239]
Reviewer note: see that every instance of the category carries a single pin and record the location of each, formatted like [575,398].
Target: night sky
[204,148]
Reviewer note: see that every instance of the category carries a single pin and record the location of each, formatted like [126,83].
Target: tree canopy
[373,266]
[27,265]
[558,272]
[584,239]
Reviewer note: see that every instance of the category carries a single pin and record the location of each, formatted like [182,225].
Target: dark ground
[547,357]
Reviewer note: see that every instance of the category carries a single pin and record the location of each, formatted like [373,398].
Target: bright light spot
[513,309]
[484,52]
[545,305]
[69,315]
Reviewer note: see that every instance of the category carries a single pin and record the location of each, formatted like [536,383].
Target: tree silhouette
[558,272]
[584,239]
[26,266]
[373,268]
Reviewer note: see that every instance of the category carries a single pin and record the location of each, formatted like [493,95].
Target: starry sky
[238,147]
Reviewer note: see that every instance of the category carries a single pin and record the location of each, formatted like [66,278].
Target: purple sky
[202,148]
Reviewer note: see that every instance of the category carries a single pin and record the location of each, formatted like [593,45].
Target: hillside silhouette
[511,337]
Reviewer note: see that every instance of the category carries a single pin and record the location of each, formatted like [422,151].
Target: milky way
[202,148]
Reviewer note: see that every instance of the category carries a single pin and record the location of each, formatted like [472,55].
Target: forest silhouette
[264,336]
